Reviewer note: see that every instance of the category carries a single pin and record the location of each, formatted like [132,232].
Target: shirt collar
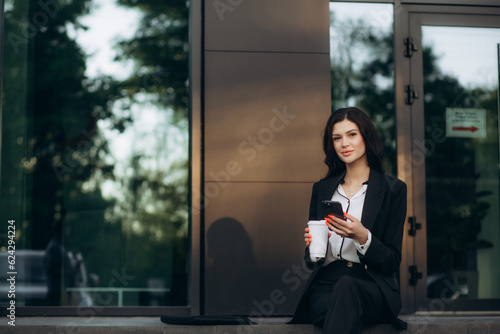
[361,192]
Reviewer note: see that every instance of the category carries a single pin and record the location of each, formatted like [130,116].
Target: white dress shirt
[341,248]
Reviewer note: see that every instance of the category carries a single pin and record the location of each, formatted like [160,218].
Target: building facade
[158,157]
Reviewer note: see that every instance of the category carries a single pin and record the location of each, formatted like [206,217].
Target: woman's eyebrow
[336,134]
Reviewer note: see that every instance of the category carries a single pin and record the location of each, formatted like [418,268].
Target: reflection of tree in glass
[153,206]
[362,74]
[161,49]
[454,207]
[60,112]
[51,144]
[50,118]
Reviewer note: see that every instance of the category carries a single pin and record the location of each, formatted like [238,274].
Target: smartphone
[334,208]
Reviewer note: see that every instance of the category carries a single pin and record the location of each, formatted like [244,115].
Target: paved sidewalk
[420,324]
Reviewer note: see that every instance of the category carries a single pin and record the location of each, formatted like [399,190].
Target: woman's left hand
[352,229]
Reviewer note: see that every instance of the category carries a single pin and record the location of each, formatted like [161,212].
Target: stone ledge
[109,325]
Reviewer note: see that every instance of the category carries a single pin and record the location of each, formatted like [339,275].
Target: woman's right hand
[307,237]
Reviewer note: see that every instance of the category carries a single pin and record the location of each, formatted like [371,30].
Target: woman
[355,285]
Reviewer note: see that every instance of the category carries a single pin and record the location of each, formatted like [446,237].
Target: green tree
[52,150]
[455,209]
[160,48]
[153,210]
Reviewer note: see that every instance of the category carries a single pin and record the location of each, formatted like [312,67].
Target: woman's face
[348,142]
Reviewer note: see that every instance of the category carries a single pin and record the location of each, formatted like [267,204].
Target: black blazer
[384,214]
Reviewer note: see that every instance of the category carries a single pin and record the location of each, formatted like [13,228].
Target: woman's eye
[336,138]
[352,134]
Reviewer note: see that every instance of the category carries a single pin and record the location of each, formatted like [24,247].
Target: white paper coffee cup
[319,239]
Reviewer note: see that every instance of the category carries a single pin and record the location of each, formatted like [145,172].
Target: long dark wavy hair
[368,132]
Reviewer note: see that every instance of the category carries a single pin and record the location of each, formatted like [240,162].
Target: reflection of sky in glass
[151,133]
[469,54]
[8,5]
[377,17]
[350,22]
[107,24]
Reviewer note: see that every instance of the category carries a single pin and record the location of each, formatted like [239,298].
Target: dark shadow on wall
[232,276]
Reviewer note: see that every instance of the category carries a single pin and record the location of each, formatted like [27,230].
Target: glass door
[455,151]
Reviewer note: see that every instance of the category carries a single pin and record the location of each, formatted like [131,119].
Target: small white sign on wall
[465,123]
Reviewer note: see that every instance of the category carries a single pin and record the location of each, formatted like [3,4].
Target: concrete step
[421,324]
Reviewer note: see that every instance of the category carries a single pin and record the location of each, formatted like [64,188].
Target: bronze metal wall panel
[265,113]
[254,247]
[266,100]
[277,26]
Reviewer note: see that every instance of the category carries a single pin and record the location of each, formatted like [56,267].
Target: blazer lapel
[373,199]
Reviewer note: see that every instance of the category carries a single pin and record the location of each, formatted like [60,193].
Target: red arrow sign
[464,128]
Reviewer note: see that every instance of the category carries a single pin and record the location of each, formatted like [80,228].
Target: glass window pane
[361,51]
[94,152]
[462,159]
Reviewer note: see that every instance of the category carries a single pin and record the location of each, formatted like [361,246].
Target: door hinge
[411,94]
[415,275]
[414,226]
[410,47]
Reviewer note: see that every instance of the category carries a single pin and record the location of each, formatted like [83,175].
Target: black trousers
[343,298]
